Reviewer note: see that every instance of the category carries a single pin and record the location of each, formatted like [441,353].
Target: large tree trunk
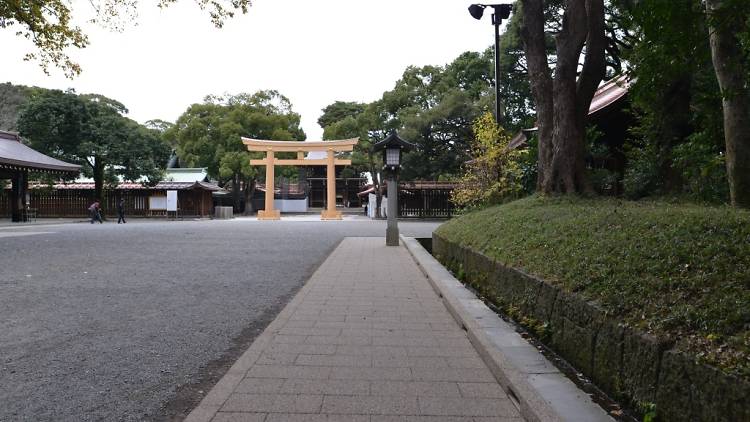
[98,169]
[532,32]
[563,103]
[731,69]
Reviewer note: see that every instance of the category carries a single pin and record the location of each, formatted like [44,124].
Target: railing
[75,202]
[425,200]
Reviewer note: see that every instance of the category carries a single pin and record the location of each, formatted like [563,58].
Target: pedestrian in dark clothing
[95,212]
[121,211]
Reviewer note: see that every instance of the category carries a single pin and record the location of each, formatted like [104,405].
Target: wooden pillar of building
[330,212]
[269,213]
[19,187]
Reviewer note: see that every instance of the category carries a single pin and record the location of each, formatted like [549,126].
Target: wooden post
[269,213]
[330,212]
[19,187]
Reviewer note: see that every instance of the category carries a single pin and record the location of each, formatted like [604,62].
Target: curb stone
[540,390]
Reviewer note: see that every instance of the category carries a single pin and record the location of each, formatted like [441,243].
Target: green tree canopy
[209,134]
[91,130]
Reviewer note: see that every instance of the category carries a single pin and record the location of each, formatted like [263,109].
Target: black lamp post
[392,146]
[502,11]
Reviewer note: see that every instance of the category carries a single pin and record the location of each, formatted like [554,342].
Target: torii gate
[271,147]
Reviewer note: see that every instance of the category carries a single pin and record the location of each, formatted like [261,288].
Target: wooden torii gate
[272,147]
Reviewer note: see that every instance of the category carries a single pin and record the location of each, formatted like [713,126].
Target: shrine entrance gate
[272,147]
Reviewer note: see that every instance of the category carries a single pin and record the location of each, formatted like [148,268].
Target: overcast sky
[312,51]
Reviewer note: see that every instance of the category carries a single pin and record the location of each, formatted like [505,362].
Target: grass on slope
[670,269]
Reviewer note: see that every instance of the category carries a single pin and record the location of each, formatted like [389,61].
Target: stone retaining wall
[629,365]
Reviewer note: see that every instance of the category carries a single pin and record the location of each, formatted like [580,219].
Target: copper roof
[606,95]
[609,93]
[138,186]
[17,156]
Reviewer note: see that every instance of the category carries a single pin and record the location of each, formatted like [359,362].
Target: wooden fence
[425,200]
[75,202]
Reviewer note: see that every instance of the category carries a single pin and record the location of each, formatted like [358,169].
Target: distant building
[71,199]
[193,194]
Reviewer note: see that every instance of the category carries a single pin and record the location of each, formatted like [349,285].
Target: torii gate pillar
[269,213]
[330,213]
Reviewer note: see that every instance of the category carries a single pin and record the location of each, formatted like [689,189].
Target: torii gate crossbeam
[271,147]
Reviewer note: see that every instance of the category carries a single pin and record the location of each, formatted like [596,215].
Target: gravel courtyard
[135,322]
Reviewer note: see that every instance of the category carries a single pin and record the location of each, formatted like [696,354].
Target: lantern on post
[393,147]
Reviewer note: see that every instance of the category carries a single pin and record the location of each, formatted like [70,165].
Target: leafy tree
[495,172]
[429,108]
[369,126]
[158,125]
[338,111]
[678,134]
[209,135]
[562,100]
[14,98]
[91,130]
[48,24]
[728,22]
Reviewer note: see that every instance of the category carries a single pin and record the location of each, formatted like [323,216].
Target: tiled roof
[138,186]
[15,155]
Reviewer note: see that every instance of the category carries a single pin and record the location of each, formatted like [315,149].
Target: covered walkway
[16,161]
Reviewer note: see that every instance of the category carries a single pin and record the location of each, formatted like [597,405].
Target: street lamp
[392,146]
[502,11]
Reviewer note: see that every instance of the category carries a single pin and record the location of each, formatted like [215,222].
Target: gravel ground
[136,322]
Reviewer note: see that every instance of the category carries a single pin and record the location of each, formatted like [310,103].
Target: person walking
[95,212]
[121,211]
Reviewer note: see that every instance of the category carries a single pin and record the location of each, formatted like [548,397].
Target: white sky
[313,52]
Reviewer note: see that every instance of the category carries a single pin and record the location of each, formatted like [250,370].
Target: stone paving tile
[409,362]
[414,388]
[334,360]
[310,331]
[465,362]
[259,385]
[239,417]
[289,339]
[453,351]
[371,405]
[273,358]
[330,387]
[453,374]
[281,371]
[382,351]
[336,340]
[297,417]
[298,349]
[377,418]
[446,406]
[369,341]
[476,390]
[420,419]
[299,323]
[391,374]
[278,403]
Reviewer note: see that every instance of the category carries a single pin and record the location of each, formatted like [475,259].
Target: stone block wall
[631,366]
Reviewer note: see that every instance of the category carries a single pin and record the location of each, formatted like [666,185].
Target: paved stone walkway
[366,339]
